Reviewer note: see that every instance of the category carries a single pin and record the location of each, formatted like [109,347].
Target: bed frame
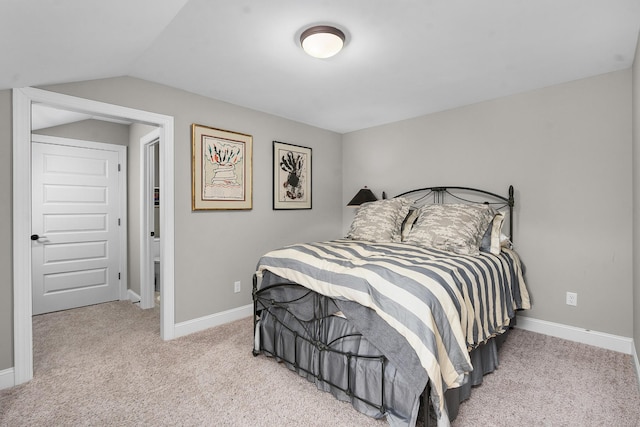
[316,337]
[440,195]
[312,335]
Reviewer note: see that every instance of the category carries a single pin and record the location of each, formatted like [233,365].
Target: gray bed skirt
[351,359]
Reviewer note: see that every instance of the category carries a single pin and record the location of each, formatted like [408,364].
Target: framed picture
[221,169]
[291,176]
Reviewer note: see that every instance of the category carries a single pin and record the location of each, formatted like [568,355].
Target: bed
[405,313]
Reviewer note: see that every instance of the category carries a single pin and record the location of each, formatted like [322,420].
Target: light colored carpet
[106,365]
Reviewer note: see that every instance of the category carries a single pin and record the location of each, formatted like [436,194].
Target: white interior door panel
[75,220]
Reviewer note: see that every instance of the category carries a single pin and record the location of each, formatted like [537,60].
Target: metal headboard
[439,195]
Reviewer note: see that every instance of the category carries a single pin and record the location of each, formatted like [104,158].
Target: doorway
[22,225]
[150,233]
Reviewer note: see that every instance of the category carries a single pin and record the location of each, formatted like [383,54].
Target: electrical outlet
[572,298]
[236,286]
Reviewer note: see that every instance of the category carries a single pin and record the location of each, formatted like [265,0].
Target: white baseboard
[571,333]
[132,296]
[635,358]
[206,322]
[7,378]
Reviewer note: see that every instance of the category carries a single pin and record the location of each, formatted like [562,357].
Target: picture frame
[292,176]
[221,170]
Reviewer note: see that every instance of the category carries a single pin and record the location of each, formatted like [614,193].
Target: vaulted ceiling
[403,58]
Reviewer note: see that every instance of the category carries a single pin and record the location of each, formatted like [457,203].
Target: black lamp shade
[364,195]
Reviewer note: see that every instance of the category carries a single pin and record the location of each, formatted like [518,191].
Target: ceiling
[402,59]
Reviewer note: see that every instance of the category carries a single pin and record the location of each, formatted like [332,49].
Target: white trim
[22,99]
[571,333]
[22,310]
[7,378]
[167,236]
[121,150]
[637,361]
[217,319]
[80,143]
[146,213]
[132,296]
[124,223]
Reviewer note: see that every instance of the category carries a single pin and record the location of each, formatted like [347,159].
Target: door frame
[146,218]
[122,199]
[22,309]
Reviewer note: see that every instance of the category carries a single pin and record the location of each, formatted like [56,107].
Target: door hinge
[118,276]
[118,221]
[118,167]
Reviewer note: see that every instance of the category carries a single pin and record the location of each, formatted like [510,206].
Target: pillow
[408,222]
[380,221]
[451,227]
[505,242]
[493,237]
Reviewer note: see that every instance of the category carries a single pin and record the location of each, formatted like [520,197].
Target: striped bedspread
[443,304]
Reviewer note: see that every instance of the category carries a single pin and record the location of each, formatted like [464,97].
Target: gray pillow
[380,221]
[451,227]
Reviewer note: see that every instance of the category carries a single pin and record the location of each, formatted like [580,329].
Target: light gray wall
[567,151]
[6,234]
[636,199]
[91,130]
[215,248]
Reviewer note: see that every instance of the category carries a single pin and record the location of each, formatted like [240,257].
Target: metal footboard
[313,333]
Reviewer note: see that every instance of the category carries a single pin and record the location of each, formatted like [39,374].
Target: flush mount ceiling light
[322,41]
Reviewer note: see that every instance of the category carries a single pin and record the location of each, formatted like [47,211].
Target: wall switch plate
[236,286]
[572,298]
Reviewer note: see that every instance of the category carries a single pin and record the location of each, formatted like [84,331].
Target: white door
[75,221]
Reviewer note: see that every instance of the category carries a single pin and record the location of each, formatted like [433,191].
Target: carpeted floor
[106,365]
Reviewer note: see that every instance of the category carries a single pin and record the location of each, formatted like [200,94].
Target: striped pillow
[493,237]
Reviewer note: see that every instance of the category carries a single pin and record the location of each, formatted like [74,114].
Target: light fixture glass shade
[322,41]
[363,196]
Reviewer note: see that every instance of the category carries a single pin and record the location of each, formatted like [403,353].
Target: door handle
[36,238]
